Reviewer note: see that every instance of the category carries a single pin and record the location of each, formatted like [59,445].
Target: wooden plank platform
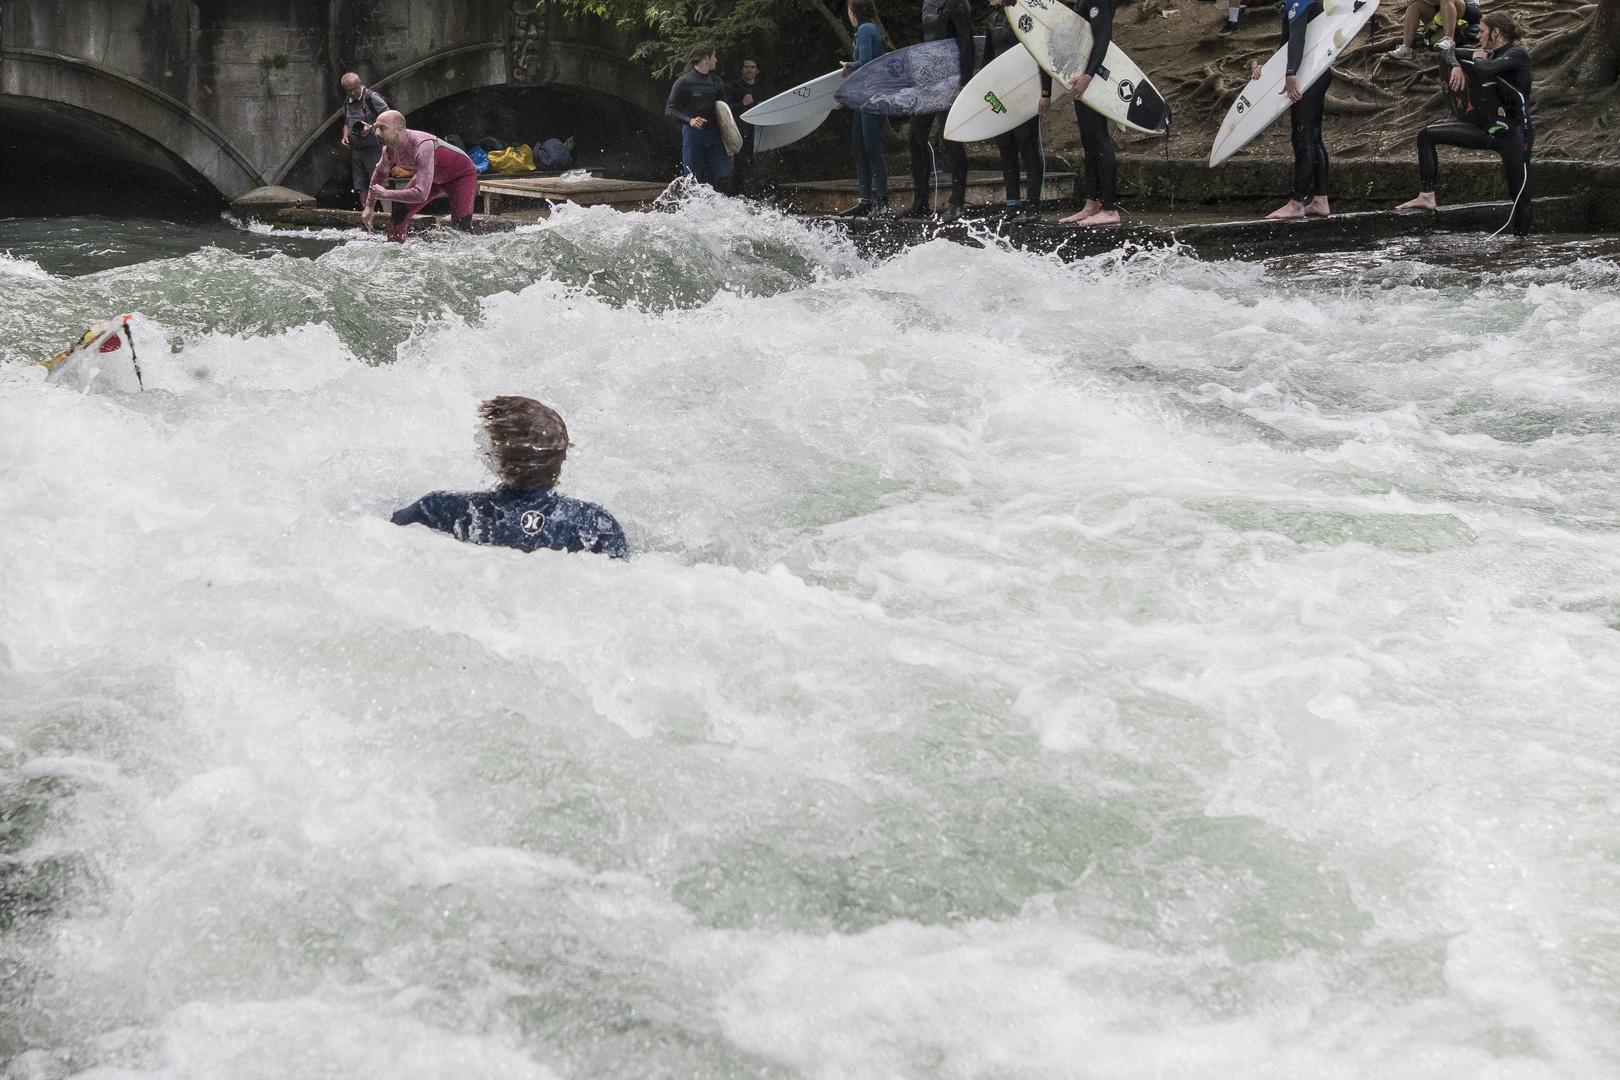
[984,188]
[624,194]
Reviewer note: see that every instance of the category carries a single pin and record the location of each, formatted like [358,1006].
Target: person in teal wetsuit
[866,129]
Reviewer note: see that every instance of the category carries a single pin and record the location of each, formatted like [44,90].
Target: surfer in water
[1025,139]
[524,443]
[1310,194]
[434,167]
[942,19]
[1504,123]
[866,129]
[1102,174]
[691,104]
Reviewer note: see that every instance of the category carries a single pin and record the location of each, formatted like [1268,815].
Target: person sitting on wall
[524,443]
[434,169]
[1450,13]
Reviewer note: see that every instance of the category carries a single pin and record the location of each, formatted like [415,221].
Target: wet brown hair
[865,11]
[701,50]
[528,441]
[1503,24]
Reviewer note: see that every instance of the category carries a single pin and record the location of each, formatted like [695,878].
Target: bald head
[390,129]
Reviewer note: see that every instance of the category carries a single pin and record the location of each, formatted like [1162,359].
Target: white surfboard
[94,347]
[999,98]
[1263,100]
[1060,41]
[776,136]
[813,98]
[730,134]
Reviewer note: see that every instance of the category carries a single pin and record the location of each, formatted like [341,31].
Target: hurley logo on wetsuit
[532,522]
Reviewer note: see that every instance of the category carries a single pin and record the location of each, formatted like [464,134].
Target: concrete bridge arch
[110,106]
[229,95]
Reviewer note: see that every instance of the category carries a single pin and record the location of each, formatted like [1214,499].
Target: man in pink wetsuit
[436,169]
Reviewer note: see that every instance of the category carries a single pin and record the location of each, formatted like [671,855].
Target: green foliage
[788,37]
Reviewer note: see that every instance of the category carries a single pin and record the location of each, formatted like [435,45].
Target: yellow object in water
[517,159]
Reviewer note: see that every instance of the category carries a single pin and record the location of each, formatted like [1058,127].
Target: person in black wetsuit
[743,95]
[1025,139]
[1310,194]
[1102,183]
[526,445]
[1508,131]
[941,19]
[691,104]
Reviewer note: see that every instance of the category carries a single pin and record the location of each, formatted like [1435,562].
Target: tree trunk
[832,21]
[1596,64]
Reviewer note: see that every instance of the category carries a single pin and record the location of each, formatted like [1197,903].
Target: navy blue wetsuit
[526,519]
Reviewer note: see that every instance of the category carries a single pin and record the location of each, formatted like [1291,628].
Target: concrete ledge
[1226,239]
[984,188]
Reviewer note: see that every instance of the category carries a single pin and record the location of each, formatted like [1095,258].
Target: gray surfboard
[919,79]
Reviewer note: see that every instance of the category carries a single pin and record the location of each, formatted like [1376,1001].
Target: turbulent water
[1140,667]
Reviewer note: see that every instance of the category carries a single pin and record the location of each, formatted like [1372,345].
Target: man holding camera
[361,107]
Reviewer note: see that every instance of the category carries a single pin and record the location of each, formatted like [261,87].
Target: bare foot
[1101,217]
[1090,209]
[1424,201]
[1318,207]
[1293,208]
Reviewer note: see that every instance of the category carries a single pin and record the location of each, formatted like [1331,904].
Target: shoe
[1445,43]
[915,210]
[1029,215]
[1401,52]
[951,213]
[1227,29]
[860,209]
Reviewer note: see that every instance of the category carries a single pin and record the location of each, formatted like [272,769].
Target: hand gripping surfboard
[1060,41]
[1263,99]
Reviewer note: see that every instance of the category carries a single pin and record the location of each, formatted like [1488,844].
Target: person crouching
[524,443]
[1505,129]
[435,169]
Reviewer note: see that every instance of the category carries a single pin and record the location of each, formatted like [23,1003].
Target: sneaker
[951,213]
[1401,52]
[915,210]
[860,209]
[1227,29]
[1445,43]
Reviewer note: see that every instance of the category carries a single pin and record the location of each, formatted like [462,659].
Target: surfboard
[999,98]
[813,98]
[110,336]
[729,134]
[1263,100]
[1060,41]
[776,136]
[919,79]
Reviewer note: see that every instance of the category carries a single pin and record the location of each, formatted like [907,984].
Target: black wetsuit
[1025,139]
[526,519]
[742,163]
[1305,115]
[1102,174]
[942,19]
[1510,135]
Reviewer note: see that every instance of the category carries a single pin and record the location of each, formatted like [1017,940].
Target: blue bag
[480,159]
